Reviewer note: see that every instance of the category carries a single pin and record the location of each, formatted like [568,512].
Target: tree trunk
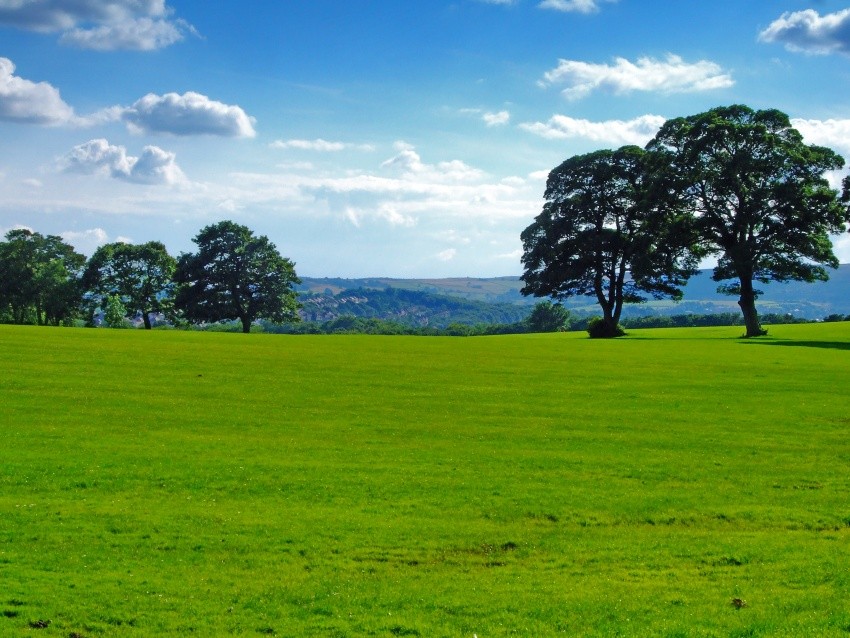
[246,324]
[146,318]
[747,302]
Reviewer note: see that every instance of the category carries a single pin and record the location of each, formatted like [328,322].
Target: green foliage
[39,278]
[141,276]
[115,314]
[599,328]
[356,486]
[758,194]
[548,317]
[235,275]
[601,234]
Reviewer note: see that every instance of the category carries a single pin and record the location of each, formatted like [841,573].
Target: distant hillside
[416,308]
[324,299]
[493,290]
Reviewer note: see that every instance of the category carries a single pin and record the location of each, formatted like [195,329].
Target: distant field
[672,483]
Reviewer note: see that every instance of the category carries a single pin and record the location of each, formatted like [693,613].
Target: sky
[374,138]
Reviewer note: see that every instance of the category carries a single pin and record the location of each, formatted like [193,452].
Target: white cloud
[447,255]
[831,133]
[30,102]
[154,166]
[404,192]
[187,114]
[32,182]
[841,245]
[320,145]
[411,165]
[513,180]
[672,75]
[496,119]
[3,231]
[143,34]
[809,32]
[618,132]
[514,255]
[85,241]
[490,118]
[103,25]
[577,6]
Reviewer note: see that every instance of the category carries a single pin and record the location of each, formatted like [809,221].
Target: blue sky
[373,138]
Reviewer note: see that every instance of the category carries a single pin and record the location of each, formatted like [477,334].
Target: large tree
[235,275]
[39,277]
[758,195]
[599,235]
[141,276]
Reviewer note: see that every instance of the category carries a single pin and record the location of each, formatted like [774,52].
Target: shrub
[598,328]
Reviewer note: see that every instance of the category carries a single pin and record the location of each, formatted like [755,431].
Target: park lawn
[166,483]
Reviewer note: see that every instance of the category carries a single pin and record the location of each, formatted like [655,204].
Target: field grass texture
[671,483]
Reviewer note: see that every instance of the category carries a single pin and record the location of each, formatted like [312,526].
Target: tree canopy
[548,317]
[141,276]
[758,195]
[235,275]
[600,235]
[39,278]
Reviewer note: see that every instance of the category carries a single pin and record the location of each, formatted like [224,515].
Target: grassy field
[671,483]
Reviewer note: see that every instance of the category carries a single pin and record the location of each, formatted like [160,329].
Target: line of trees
[731,183]
[235,275]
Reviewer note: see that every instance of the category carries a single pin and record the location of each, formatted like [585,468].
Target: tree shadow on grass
[830,345]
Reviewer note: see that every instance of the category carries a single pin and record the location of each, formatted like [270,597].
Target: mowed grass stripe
[171,482]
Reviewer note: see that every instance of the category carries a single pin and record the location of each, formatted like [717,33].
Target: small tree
[599,235]
[115,314]
[758,195]
[235,275]
[548,317]
[142,276]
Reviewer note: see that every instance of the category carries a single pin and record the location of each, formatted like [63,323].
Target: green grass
[169,483]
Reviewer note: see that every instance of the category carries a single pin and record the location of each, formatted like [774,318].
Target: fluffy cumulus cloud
[834,134]
[30,102]
[187,114]
[410,164]
[672,75]
[807,31]
[99,157]
[319,145]
[577,6]
[99,24]
[85,241]
[618,132]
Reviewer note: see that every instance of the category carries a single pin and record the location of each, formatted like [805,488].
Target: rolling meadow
[670,483]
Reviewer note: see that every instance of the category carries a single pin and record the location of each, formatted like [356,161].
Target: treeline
[235,275]
[349,324]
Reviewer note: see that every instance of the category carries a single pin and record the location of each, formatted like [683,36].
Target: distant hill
[492,298]
[416,308]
